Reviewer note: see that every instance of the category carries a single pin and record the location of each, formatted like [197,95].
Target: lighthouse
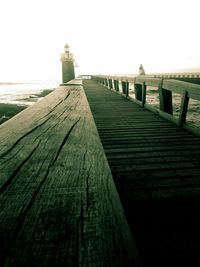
[141,70]
[67,60]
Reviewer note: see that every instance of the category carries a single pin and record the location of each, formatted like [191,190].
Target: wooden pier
[90,178]
[156,168]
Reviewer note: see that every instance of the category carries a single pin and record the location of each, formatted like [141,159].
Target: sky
[105,37]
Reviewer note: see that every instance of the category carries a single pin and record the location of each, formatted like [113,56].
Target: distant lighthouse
[67,60]
[141,70]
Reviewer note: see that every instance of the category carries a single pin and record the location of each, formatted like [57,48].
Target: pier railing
[59,204]
[171,97]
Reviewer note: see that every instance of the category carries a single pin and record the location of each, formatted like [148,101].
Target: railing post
[110,83]
[127,88]
[167,101]
[144,94]
[116,85]
[184,108]
[123,87]
[165,97]
[106,82]
[138,91]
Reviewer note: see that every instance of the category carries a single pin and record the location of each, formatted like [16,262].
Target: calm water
[23,93]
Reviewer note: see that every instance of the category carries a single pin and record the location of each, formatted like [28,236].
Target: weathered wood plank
[148,81]
[184,107]
[179,87]
[59,205]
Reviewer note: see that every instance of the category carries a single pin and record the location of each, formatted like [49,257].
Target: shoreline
[8,110]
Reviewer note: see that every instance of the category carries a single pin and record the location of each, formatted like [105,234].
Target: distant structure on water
[141,70]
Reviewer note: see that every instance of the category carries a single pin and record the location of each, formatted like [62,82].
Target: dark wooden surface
[156,168]
[58,202]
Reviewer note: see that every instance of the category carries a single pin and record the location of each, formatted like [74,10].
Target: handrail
[165,89]
[59,204]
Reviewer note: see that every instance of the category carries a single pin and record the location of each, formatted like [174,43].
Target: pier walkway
[156,168]
[89,178]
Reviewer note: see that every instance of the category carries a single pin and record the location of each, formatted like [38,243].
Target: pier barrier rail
[166,90]
[58,201]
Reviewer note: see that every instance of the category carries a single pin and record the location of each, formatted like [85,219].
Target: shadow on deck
[156,168]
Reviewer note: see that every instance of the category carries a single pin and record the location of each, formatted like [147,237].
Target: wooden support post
[184,108]
[106,82]
[165,97]
[143,94]
[138,91]
[167,101]
[124,87]
[160,94]
[110,83]
[116,85]
[127,88]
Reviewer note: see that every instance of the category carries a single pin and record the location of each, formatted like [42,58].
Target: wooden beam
[110,84]
[116,85]
[166,100]
[184,108]
[138,91]
[143,94]
[59,205]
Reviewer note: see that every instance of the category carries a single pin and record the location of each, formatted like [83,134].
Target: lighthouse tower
[141,70]
[67,60]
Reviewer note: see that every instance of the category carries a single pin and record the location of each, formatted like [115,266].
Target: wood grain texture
[58,203]
[180,86]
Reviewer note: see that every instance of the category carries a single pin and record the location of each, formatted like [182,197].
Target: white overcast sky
[105,36]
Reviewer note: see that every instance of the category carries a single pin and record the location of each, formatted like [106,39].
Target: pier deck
[156,168]
[60,189]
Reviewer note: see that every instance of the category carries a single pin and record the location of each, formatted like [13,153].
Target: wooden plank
[179,87]
[190,154]
[73,82]
[183,109]
[192,128]
[59,205]
[148,81]
[143,94]
[123,178]
[138,91]
[163,114]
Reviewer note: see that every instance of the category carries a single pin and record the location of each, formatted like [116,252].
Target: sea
[24,93]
